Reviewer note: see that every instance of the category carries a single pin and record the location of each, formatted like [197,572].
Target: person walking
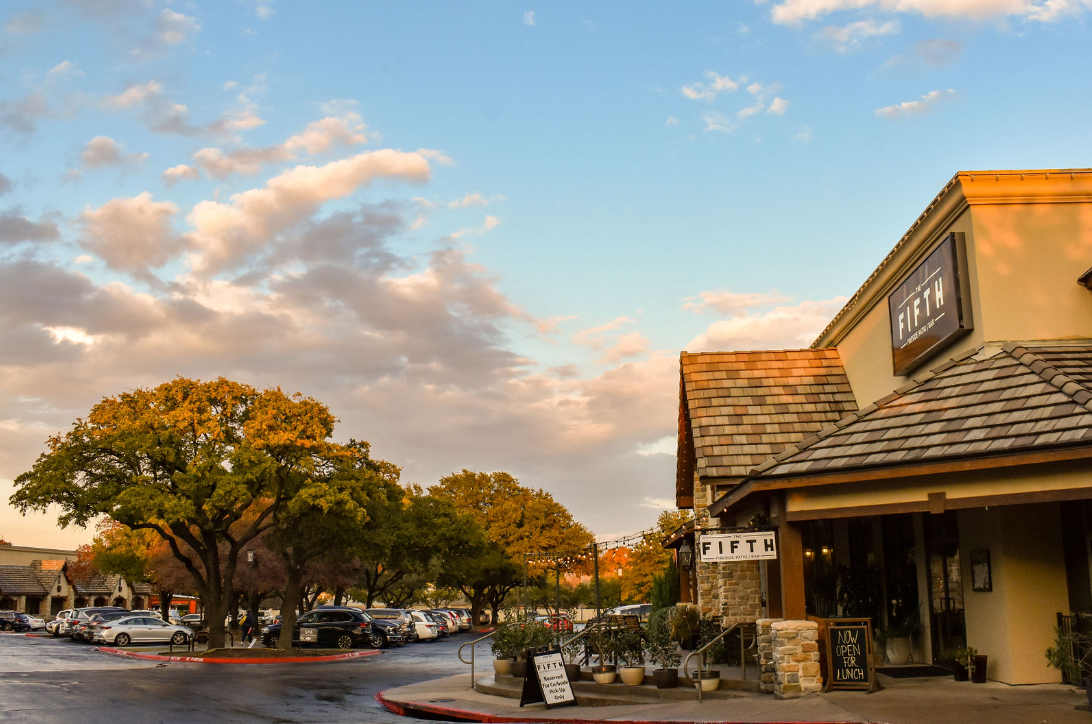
[247,627]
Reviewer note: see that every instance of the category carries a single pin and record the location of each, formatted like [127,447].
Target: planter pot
[665,678]
[709,680]
[978,674]
[1088,692]
[519,669]
[604,674]
[572,671]
[898,651]
[503,667]
[632,675]
[959,671]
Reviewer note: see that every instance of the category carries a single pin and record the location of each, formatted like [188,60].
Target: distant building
[929,458]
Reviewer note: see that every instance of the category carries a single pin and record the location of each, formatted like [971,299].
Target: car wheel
[5,626]
[178,639]
[122,640]
[379,640]
[344,641]
[273,641]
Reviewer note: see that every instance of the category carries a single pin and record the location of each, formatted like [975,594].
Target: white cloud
[785,327]
[103,151]
[750,110]
[133,95]
[131,234]
[490,223]
[529,18]
[708,91]
[803,136]
[177,173]
[926,103]
[732,303]
[321,136]
[849,37]
[778,106]
[672,121]
[174,27]
[65,68]
[474,199]
[717,121]
[793,12]
[630,344]
[593,336]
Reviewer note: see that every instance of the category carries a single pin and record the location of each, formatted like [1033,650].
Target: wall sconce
[809,553]
[686,555]
[826,550]
[250,559]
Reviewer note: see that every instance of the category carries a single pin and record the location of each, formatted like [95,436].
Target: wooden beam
[791,552]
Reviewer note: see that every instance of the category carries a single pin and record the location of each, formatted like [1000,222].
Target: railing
[743,629]
[472,644]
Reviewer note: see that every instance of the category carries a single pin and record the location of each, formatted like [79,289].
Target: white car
[141,630]
[56,626]
[426,630]
[36,624]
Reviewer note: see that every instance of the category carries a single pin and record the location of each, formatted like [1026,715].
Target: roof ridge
[1050,374]
[837,425]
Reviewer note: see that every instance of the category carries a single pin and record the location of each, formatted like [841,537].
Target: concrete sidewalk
[933,700]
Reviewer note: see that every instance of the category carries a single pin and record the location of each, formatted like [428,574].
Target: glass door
[949,630]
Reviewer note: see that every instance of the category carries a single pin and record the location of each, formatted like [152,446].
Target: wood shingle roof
[20,581]
[1022,397]
[739,408]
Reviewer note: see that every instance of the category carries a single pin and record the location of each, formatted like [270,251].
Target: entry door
[949,629]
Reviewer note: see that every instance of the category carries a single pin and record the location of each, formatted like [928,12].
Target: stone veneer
[730,591]
[795,651]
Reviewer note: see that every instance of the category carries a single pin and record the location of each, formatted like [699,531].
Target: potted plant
[964,659]
[663,651]
[1072,655]
[504,645]
[974,663]
[684,622]
[959,669]
[630,650]
[898,635]
[709,678]
[605,648]
[529,635]
[570,649]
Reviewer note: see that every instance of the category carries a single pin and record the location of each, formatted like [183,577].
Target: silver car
[141,630]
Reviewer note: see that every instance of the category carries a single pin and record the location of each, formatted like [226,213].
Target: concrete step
[589,693]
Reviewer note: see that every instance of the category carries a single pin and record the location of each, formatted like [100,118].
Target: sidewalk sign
[546,682]
[849,655]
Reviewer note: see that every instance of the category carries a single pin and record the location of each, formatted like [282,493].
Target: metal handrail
[742,654]
[472,644]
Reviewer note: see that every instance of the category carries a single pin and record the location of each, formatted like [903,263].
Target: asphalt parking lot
[56,680]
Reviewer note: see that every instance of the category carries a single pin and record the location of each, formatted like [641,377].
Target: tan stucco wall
[23,555]
[1014,623]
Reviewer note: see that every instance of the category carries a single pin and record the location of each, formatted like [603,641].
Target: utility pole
[523,590]
[598,606]
[559,587]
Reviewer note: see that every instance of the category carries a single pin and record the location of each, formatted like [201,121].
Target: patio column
[791,553]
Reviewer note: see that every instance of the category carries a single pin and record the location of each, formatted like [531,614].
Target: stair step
[589,693]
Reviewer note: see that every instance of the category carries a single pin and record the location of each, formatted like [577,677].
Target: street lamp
[249,587]
[686,555]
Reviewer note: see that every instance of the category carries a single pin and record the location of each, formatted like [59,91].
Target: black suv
[343,627]
[14,621]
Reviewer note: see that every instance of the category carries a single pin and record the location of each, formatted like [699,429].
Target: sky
[481,232]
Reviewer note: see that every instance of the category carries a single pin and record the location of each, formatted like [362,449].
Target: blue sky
[481,232]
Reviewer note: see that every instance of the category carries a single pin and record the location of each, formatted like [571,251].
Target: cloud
[630,344]
[709,91]
[24,23]
[132,235]
[938,52]
[5,184]
[793,12]
[174,28]
[732,303]
[778,106]
[672,121]
[750,110]
[803,136]
[65,68]
[16,228]
[717,121]
[133,95]
[262,8]
[926,103]
[21,116]
[529,18]
[593,336]
[103,151]
[849,37]
[784,327]
[490,223]
[474,199]
[321,136]
[177,173]
[227,232]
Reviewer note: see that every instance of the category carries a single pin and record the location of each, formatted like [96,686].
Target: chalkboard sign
[849,655]
[546,682]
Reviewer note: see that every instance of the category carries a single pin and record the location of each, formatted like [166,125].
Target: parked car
[343,627]
[86,631]
[194,620]
[451,619]
[140,630]
[465,622]
[396,615]
[556,622]
[81,615]
[16,621]
[442,624]
[427,629]
[57,625]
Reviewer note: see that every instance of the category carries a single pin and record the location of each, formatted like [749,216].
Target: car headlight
[265,629]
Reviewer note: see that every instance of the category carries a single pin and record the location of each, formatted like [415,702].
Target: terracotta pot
[603,674]
[632,675]
[978,675]
[519,669]
[502,667]
[572,671]
[665,678]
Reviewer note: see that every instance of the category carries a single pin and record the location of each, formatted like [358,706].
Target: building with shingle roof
[952,488]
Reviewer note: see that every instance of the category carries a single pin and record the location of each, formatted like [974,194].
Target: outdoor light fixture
[809,553]
[686,555]
[825,550]
[250,558]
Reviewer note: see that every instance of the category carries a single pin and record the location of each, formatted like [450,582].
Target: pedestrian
[251,629]
[245,626]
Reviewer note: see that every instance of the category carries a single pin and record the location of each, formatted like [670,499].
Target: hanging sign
[849,655]
[928,309]
[759,545]
[546,682]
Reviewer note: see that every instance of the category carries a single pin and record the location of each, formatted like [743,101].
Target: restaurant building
[927,462]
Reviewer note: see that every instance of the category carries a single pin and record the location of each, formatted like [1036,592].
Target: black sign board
[849,655]
[929,309]
[546,682]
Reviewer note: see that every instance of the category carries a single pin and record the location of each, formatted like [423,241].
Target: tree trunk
[165,598]
[339,595]
[288,607]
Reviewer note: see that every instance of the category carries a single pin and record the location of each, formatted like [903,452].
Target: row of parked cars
[118,626]
[347,627]
[19,621]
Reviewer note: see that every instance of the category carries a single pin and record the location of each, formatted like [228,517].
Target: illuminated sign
[929,308]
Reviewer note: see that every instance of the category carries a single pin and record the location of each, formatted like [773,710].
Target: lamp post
[249,586]
[686,555]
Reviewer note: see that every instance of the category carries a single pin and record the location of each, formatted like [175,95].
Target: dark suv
[343,627]
[14,621]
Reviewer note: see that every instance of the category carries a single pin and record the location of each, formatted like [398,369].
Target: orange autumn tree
[206,466]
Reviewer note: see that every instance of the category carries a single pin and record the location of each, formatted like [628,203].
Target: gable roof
[98,584]
[739,408]
[1021,397]
[20,581]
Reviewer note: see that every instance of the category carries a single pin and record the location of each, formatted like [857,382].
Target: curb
[466,715]
[199,660]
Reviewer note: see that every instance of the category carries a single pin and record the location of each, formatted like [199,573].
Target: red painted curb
[474,716]
[199,660]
